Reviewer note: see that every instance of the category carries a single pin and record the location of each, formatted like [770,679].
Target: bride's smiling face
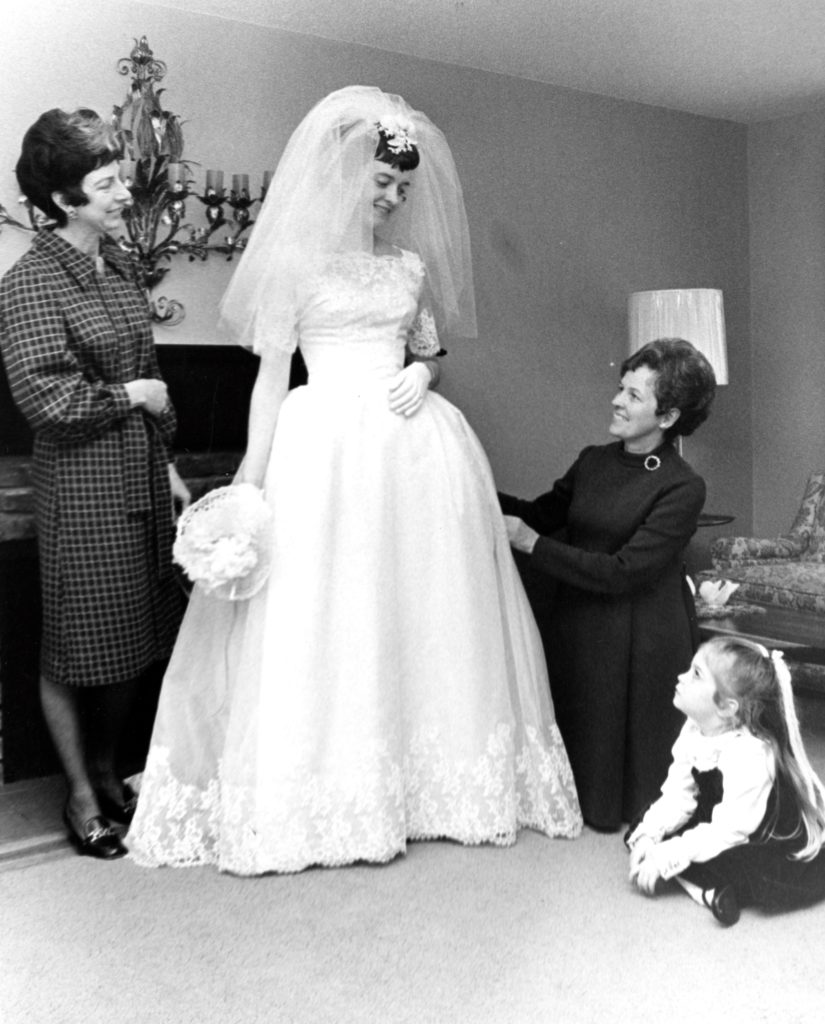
[390,189]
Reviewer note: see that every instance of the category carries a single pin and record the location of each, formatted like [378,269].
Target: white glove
[521,536]
[408,389]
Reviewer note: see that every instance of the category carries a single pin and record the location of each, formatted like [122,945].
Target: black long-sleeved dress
[623,623]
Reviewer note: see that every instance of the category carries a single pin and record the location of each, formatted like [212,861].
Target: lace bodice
[359,313]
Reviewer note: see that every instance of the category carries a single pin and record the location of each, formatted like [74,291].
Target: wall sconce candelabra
[161,181]
[37,220]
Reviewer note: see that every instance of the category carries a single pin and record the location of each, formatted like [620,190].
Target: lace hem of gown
[365,813]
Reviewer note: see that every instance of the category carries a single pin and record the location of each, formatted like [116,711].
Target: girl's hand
[637,855]
[521,536]
[180,492]
[647,876]
[408,389]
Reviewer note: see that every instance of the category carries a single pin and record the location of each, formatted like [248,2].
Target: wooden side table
[714,519]
[799,634]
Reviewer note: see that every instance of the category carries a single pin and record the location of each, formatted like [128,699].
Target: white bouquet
[223,541]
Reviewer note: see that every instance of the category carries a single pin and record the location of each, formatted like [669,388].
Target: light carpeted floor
[546,931]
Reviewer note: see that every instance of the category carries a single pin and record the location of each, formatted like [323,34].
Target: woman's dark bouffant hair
[406,160]
[684,380]
[58,151]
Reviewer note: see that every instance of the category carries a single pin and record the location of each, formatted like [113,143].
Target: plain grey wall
[787,183]
[574,201]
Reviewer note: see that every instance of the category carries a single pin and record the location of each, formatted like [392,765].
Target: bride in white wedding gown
[388,682]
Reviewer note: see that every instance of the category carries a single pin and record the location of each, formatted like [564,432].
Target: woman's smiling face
[107,198]
[635,420]
[390,188]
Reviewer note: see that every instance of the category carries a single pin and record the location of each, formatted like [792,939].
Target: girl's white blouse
[748,771]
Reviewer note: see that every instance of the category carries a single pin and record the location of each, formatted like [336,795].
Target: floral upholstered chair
[788,570]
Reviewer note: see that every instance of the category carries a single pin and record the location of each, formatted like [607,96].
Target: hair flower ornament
[399,134]
[223,542]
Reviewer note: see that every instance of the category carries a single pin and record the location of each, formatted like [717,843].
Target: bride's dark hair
[405,160]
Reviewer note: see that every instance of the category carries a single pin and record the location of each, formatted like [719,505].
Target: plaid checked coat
[71,334]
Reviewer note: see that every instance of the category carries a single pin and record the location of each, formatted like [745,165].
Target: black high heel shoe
[99,839]
[724,905]
[121,813]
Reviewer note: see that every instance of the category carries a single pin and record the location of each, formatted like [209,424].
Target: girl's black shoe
[724,905]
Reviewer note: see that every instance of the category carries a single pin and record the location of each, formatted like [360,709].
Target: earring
[71,213]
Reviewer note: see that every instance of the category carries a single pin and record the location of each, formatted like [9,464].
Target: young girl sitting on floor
[741,817]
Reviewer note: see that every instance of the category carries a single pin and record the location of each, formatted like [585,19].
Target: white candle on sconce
[174,174]
[240,183]
[267,179]
[127,172]
[214,181]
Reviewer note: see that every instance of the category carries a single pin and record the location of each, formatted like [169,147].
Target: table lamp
[695,314]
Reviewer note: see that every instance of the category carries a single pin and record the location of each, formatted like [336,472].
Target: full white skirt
[387,684]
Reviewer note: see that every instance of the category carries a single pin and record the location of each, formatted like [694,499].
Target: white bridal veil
[320,202]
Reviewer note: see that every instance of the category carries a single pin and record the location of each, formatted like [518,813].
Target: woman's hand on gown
[408,389]
[521,536]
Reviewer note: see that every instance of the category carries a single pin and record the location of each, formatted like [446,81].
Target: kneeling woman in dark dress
[77,344]
[612,533]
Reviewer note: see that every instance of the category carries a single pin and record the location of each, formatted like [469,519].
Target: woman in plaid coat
[77,345]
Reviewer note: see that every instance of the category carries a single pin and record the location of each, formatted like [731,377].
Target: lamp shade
[695,314]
